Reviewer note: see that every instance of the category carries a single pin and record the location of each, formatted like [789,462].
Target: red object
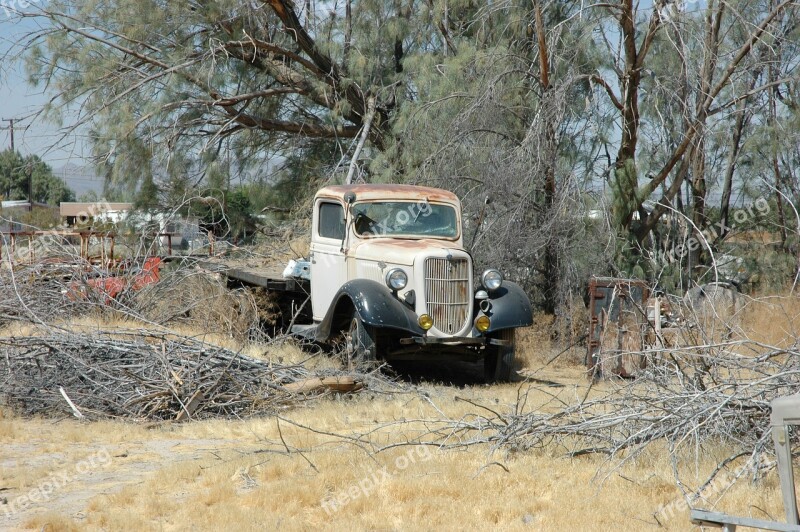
[113,285]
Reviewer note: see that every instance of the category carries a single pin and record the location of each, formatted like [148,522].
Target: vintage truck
[390,278]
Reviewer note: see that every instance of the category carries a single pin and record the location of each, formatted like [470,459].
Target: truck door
[328,268]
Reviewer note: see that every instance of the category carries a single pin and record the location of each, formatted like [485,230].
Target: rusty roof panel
[374,192]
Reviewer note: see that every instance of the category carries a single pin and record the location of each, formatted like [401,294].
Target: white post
[786,411]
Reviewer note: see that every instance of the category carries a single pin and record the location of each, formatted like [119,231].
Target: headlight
[491,279]
[396,279]
[425,321]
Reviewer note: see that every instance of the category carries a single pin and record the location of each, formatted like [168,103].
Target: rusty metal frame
[85,238]
[629,292]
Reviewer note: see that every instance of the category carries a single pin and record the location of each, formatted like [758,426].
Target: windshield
[405,218]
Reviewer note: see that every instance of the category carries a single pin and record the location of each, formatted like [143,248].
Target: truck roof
[372,192]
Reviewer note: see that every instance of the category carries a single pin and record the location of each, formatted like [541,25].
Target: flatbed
[269,277]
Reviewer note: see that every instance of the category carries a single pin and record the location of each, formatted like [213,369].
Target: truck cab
[391,278]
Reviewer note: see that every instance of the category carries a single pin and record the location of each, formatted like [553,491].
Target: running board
[306,332]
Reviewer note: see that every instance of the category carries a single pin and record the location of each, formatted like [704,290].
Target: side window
[331,220]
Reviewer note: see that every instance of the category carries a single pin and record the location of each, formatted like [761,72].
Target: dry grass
[773,320]
[538,347]
[237,475]
[262,473]
[190,299]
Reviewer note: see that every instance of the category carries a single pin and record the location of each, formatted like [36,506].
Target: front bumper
[454,341]
[432,348]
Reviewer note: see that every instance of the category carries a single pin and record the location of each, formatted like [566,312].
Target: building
[80,213]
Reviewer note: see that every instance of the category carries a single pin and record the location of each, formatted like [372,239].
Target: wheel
[360,346]
[498,362]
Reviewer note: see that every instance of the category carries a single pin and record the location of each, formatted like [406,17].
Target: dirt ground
[287,472]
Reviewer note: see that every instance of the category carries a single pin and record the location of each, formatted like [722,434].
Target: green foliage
[624,187]
[229,214]
[148,75]
[147,196]
[89,196]
[18,173]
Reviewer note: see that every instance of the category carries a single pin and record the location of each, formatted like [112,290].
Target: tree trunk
[552,273]
[733,154]
[773,119]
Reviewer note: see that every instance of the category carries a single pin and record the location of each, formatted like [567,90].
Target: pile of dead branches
[147,375]
[687,398]
[187,296]
[33,293]
[66,287]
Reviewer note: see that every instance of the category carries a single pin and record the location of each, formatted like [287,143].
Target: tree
[501,114]
[155,78]
[228,214]
[24,177]
[714,78]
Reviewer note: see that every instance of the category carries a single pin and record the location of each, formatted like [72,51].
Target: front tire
[499,360]
[360,345]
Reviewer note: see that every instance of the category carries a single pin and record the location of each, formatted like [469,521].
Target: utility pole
[11,129]
[30,187]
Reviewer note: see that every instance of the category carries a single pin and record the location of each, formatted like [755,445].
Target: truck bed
[266,276]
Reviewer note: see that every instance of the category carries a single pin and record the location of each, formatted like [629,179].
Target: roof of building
[90,209]
[21,204]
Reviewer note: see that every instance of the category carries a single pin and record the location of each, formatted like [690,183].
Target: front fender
[375,305]
[511,308]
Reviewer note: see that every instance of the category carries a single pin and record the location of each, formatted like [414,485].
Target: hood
[396,250]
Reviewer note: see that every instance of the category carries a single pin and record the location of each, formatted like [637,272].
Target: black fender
[511,308]
[375,305]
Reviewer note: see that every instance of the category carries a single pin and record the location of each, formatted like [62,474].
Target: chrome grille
[447,293]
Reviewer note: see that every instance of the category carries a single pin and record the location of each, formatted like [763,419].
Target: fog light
[425,321]
[482,323]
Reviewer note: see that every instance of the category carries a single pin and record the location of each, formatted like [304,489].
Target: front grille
[447,293]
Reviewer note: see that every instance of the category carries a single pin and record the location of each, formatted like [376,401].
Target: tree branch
[603,83]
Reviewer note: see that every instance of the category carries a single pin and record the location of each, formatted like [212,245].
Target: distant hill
[81,179]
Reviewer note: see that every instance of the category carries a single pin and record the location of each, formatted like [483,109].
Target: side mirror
[350,197]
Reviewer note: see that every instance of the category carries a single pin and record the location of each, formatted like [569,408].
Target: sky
[19,100]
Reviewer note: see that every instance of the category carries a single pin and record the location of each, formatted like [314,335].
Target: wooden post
[657,324]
